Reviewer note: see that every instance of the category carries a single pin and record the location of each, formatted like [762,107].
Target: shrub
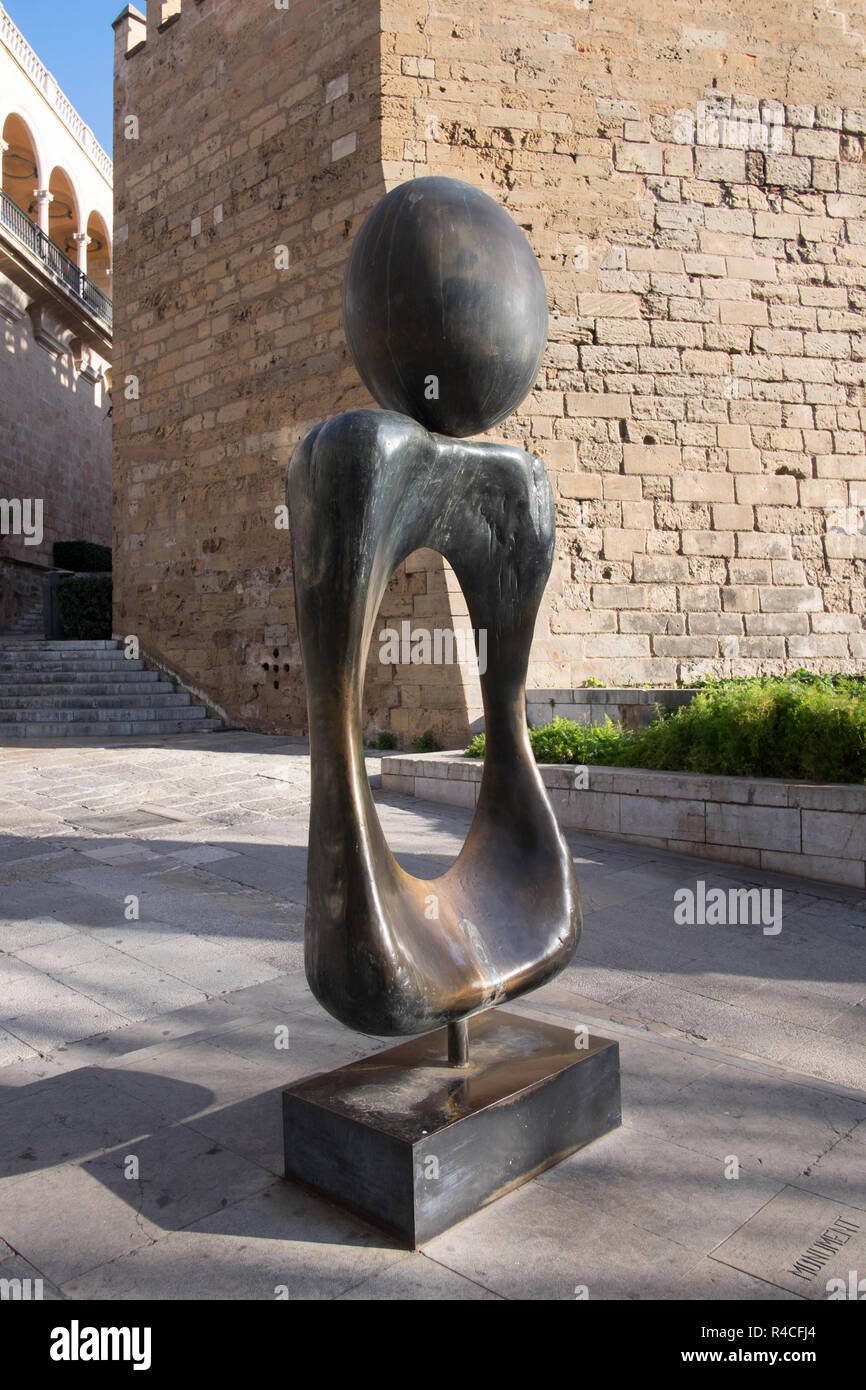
[797,727]
[82,556]
[386,740]
[84,604]
[761,728]
[476,747]
[426,743]
[563,741]
[854,686]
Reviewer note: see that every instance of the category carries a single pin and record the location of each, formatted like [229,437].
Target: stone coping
[809,829]
[613,695]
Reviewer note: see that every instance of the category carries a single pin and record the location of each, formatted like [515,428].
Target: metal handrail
[62,268]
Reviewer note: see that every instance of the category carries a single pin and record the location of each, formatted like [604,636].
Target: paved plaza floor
[151,922]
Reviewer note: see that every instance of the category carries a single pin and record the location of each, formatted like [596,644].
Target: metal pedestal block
[414,1144]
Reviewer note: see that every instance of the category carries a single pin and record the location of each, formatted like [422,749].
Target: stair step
[56,644]
[87,683]
[30,623]
[88,663]
[51,689]
[89,715]
[35,656]
[36,647]
[36,653]
[108,729]
[146,700]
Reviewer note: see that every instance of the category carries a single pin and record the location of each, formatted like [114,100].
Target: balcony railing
[15,42]
[61,267]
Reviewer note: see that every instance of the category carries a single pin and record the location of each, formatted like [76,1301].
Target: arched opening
[20,165]
[62,213]
[99,253]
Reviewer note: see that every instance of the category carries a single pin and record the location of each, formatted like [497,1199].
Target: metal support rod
[458,1043]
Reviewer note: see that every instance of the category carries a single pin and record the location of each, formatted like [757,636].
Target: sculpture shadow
[217,1171]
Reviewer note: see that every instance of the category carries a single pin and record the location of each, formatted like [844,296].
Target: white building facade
[55,326]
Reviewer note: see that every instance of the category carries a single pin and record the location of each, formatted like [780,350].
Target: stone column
[44,197]
[81,240]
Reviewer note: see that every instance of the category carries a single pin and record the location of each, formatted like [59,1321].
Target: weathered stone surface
[194,1092]
[801,1241]
[693,309]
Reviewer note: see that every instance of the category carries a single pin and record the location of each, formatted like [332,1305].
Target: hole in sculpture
[424,654]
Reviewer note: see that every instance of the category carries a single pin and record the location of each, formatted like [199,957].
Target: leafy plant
[386,740]
[801,726]
[476,746]
[426,743]
[855,686]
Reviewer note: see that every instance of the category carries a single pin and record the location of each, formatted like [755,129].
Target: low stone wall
[809,829]
[591,704]
[20,589]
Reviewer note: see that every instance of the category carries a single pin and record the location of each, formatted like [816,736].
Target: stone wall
[701,405]
[55,426]
[257,154]
[20,590]
[630,706]
[55,441]
[808,829]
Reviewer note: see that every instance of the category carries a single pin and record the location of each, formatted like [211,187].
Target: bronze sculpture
[446,317]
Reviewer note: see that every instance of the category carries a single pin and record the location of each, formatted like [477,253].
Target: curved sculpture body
[387,953]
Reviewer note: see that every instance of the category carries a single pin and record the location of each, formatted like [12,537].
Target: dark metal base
[415,1145]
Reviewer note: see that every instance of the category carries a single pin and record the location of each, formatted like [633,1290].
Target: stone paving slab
[168,1039]
[828,1240]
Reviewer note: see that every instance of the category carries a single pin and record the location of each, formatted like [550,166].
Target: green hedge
[799,727]
[82,556]
[84,605]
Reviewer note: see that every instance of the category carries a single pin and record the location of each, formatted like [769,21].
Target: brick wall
[701,404]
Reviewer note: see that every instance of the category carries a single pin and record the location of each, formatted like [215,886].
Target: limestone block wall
[20,590]
[695,189]
[55,445]
[701,405]
[55,430]
[254,155]
[632,707]
[809,829]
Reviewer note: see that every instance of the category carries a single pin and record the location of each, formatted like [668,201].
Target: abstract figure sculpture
[446,317]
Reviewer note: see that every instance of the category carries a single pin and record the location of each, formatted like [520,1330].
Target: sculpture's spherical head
[444,306]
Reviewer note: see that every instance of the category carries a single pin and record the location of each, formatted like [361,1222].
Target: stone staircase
[87,689]
[29,624]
